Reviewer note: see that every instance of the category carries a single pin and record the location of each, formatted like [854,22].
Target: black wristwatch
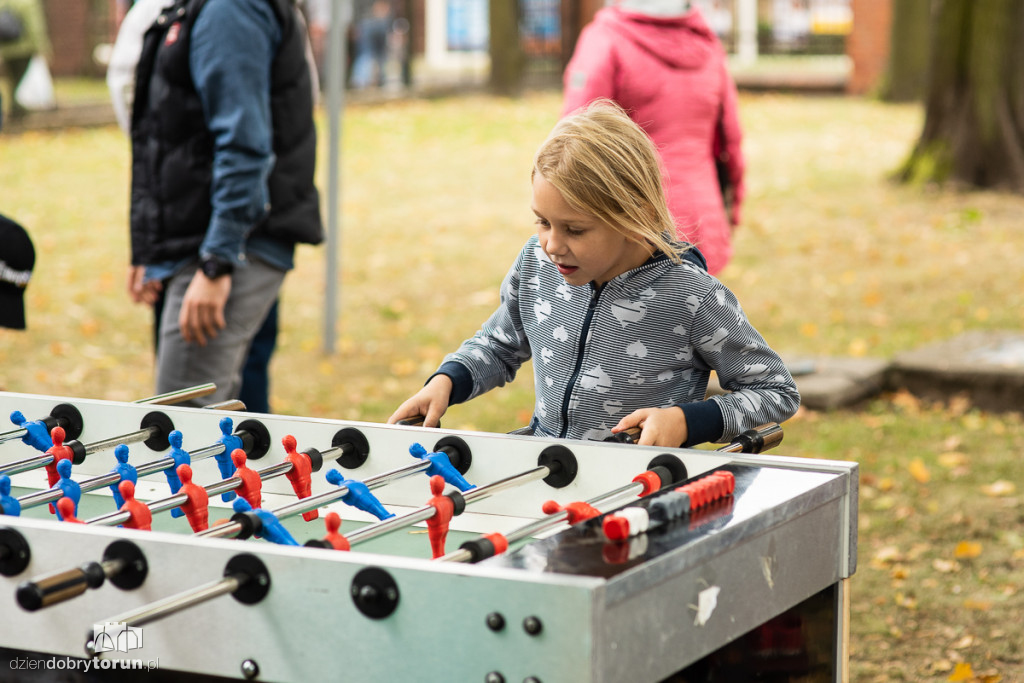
[214,267]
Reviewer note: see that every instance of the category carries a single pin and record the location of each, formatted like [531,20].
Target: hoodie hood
[681,42]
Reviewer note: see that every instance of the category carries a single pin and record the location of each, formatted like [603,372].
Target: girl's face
[583,247]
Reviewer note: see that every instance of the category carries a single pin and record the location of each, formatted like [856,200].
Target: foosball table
[516,558]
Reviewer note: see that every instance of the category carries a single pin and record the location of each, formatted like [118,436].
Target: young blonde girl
[623,322]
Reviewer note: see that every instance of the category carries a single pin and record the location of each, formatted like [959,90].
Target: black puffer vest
[172,149]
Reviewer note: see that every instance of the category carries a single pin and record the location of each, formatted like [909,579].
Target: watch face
[213,268]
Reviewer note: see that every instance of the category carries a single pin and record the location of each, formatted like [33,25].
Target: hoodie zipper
[591,308]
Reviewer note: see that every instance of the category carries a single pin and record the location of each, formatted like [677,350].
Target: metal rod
[111,478]
[26,464]
[386,526]
[132,437]
[162,399]
[424,513]
[41,460]
[179,396]
[13,434]
[230,404]
[181,601]
[545,523]
[766,436]
[177,499]
[232,529]
[166,463]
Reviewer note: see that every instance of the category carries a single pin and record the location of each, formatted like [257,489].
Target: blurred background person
[222,181]
[318,19]
[372,32]
[23,35]
[661,62]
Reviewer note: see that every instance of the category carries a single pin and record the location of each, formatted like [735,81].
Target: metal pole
[181,601]
[173,397]
[335,76]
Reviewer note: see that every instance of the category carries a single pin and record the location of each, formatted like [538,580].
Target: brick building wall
[868,44]
[76,27]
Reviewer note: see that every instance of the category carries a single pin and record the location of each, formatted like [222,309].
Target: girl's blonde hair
[604,165]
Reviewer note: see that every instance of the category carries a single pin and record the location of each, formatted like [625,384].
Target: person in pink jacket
[660,61]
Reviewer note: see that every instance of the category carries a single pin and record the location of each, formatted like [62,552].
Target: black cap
[17,258]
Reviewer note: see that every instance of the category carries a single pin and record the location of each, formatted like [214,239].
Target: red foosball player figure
[444,509]
[578,511]
[139,516]
[252,485]
[66,508]
[59,452]
[300,473]
[333,522]
[196,508]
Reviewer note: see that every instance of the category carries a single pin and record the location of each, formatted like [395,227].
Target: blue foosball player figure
[358,495]
[180,457]
[440,464]
[9,505]
[125,470]
[36,434]
[271,528]
[70,488]
[231,442]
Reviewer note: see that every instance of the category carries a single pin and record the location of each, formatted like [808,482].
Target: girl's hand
[431,402]
[660,426]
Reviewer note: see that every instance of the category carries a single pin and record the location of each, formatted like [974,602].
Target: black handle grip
[56,588]
[756,440]
[413,421]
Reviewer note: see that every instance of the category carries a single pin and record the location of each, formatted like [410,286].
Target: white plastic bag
[36,88]
[125,56]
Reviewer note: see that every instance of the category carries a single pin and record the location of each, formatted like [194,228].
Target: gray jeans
[179,365]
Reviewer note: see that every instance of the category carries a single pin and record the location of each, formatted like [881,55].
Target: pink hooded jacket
[670,74]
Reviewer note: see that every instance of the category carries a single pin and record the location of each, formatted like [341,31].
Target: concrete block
[828,383]
[986,366]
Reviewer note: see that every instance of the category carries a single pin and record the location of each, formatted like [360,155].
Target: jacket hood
[682,42]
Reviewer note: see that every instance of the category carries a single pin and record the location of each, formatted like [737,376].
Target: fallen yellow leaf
[962,672]
[977,605]
[967,549]
[999,488]
[951,459]
[919,471]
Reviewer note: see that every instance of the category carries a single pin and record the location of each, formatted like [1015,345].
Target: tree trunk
[507,58]
[907,70]
[974,118]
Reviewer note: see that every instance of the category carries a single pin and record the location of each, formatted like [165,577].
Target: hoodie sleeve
[732,142]
[492,357]
[590,74]
[759,387]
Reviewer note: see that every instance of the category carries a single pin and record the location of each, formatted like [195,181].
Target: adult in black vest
[223,154]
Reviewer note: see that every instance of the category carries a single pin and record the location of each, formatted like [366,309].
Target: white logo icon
[116,637]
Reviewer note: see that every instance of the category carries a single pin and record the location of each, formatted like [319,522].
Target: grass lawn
[832,259]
